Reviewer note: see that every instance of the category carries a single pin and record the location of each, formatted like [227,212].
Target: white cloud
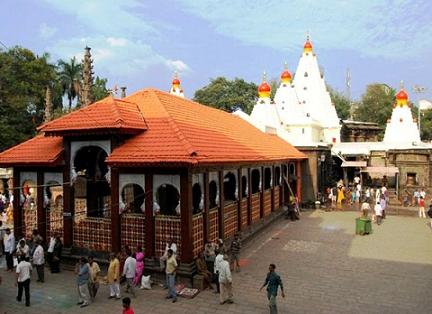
[46,31]
[122,61]
[375,28]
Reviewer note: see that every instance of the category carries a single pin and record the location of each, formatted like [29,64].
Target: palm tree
[70,78]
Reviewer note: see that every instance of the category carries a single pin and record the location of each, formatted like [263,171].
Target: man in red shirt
[126,306]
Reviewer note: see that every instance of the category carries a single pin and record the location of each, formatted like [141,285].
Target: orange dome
[264,88]
[307,46]
[286,76]
[176,81]
[402,95]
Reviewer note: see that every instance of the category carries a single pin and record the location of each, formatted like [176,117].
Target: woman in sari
[139,256]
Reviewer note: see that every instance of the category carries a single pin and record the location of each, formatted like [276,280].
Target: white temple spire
[175,86]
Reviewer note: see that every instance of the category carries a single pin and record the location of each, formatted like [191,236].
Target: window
[411,178]
[213,191]
[168,198]
[292,171]
[133,196]
[230,187]
[196,198]
[244,186]
[256,177]
[267,178]
[277,176]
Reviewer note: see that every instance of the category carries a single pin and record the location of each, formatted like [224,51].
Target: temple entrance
[91,183]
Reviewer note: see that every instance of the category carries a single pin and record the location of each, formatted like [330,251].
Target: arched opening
[53,202]
[229,187]
[29,194]
[132,196]
[244,186]
[256,177]
[277,176]
[53,191]
[168,198]
[213,190]
[292,170]
[196,198]
[267,178]
[91,184]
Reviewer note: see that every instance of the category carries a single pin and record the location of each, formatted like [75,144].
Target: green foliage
[376,104]
[99,88]
[341,102]
[23,80]
[228,95]
[425,124]
[70,77]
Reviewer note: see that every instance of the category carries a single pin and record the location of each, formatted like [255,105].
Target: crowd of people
[215,265]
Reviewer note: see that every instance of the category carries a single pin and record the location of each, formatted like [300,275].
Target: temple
[147,168]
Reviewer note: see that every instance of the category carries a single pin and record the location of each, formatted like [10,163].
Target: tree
[376,104]
[228,95]
[23,81]
[70,77]
[100,90]
[341,102]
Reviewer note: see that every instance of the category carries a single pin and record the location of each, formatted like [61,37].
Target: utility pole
[419,90]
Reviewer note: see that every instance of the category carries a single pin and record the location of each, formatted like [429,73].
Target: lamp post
[322,164]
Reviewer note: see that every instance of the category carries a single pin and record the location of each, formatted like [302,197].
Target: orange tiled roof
[182,131]
[40,150]
[107,115]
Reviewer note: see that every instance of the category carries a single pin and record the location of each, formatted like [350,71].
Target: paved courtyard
[324,266]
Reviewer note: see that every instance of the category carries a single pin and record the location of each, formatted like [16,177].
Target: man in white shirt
[225,281]
[50,251]
[39,261]
[129,272]
[9,248]
[23,272]
[219,258]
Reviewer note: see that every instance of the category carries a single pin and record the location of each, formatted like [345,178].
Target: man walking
[170,270]
[273,281]
[218,260]
[93,284]
[129,272]
[114,277]
[9,248]
[39,261]
[83,273]
[23,272]
[235,252]
[225,281]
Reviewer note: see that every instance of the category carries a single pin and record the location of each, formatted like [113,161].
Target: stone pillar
[239,203]
[17,210]
[299,180]
[68,199]
[221,206]
[206,207]
[262,192]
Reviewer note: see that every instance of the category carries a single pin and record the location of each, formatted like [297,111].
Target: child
[126,306]
[378,212]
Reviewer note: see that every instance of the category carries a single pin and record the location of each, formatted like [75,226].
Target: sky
[140,44]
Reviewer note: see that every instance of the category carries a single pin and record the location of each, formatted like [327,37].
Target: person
[129,273]
[378,212]
[423,193]
[39,261]
[383,204]
[209,255]
[225,281]
[368,194]
[9,248]
[23,274]
[35,238]
[170,270]
[235,252]
[416,197]
[384,181]
[218,260]
[357,180]
[202,270]
[83,275]
[169,245]
[421,206]
[365,208]
[333,195]
[114,276]
[50,251]
[56,257]
[122,256]
[22,250]
[220,245]
[273,282]
[127,309]
[93,283]
[139,256]
[2,236]
[340,195]
[353,196]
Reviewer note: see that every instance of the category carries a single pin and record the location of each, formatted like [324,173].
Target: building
[302,114]
[147,168]
[359,131]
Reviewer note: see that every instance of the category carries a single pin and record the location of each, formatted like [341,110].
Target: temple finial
[264,76]
[286,65]
[401,84]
